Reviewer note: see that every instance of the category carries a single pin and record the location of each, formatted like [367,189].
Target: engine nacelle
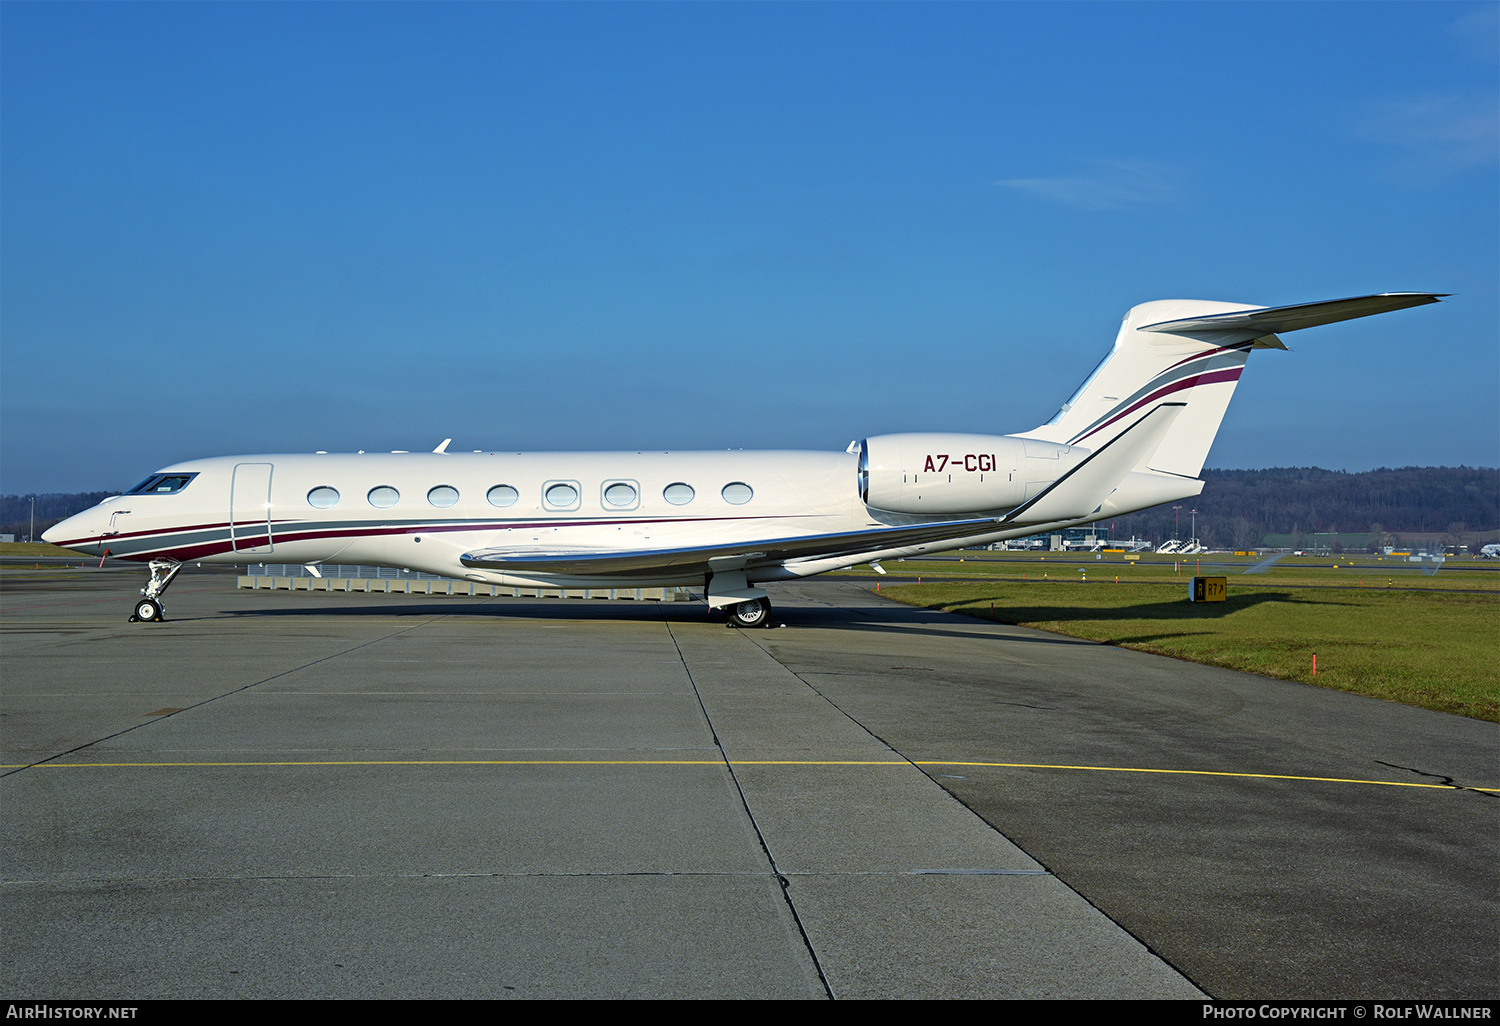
[942,473]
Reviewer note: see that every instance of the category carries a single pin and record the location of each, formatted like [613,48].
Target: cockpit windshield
[162,484]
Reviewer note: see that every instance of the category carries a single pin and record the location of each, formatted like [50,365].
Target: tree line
[1238,508]
[15,510]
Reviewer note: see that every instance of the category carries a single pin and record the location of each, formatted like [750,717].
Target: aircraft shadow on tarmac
[890,619]
[856,615]
[1177,609]
[882,619]
[934,620]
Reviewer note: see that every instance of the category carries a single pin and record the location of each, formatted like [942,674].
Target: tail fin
[1192,352]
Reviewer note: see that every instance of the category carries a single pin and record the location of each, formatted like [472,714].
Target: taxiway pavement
[291,794]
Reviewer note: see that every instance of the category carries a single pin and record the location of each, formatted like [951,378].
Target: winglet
[444,447]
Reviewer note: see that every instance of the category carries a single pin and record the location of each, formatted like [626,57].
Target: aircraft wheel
[146,611]
[755,613]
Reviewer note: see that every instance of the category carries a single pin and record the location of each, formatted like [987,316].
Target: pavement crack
[1046,869]
[781,877]
[1442,778]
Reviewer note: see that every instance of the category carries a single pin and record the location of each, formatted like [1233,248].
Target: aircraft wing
[728,556]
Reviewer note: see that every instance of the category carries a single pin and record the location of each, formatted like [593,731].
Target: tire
[146,611]
[755,613]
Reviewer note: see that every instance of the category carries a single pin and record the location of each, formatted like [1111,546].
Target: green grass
[35,549]
[1291,571]
[1433,649]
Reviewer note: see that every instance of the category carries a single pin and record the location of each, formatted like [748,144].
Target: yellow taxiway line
[734,762]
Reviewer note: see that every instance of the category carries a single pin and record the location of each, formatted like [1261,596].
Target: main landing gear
[149,608]
[754,613]
[730,595]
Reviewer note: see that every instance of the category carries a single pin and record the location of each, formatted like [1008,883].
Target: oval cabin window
[383,496]
[323,497]
[562,496]
[443,496]
[737,493]
[620,494]
[678,494]
[502,496]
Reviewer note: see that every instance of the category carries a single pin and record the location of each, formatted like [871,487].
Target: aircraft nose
[65,530]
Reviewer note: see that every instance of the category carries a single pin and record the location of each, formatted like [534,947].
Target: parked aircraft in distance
[1134,434]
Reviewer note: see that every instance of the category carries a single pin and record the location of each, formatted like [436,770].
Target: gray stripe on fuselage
[290,531]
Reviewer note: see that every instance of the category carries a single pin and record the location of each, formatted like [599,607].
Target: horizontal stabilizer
[1272,319]
[686,561]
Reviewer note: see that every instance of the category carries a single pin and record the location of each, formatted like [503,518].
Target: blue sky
[284,227]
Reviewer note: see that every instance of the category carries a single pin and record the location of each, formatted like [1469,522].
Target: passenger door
[250,508]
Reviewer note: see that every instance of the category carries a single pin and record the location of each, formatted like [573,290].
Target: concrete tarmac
[348,795]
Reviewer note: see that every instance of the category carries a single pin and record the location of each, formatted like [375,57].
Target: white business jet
[1135,434]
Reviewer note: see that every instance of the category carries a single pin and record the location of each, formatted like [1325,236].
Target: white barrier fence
[388,581]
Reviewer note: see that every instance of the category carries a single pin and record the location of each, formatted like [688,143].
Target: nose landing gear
[149,609]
